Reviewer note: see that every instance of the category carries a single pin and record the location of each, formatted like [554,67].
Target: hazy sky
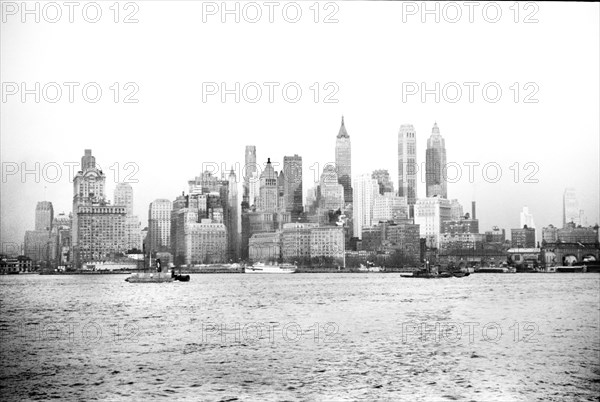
[370,55]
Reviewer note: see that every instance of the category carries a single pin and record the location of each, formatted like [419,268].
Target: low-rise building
[295,239]
[265,247]
[327,241]
[523,238]
[461,226]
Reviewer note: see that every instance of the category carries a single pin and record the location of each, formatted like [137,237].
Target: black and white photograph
[299,200]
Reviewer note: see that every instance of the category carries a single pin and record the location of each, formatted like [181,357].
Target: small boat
[150,277]
[182,278]
[260,268]
[496,270]
[571,268]
[429,272]
[157,277]
[370,267]
[429,275]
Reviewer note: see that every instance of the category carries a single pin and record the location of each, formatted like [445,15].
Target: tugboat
[433,272]
[157,277]
[180,278]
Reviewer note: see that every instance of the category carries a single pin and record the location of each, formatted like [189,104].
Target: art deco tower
[435,163]
[343,161]
[268,193]
[88,188]
[407,165]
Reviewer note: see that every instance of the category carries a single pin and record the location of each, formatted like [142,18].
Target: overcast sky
[369,55]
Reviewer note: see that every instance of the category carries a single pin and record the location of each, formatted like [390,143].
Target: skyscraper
[456,210]
[389,207]
[124,197]
[430,215]
[435,165]
[383,180]
[292,169]
[254,189]
[407,165]
[234,231]
[98,228]
[210,197]
[365,191]
[268,194]
[38,242]
[159,226]
[571,212]
[44,215]
[330,194]
[527,218]
[248,171]
[343,161]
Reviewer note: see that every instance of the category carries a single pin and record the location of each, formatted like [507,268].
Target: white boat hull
[269,269]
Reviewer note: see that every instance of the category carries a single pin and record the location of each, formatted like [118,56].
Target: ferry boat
[260,268]
[370,267]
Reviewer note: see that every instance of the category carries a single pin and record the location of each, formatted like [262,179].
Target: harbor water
[336,337]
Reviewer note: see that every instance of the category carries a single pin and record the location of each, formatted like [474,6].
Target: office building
[407,165]
[343,161]
[435,165]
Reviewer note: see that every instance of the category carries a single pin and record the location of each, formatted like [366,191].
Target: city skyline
[154,134]
[90,161]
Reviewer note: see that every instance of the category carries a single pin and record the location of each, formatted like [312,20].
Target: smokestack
[473,216]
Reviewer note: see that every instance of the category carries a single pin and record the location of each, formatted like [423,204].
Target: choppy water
[302,337]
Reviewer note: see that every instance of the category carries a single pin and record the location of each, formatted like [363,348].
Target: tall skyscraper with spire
[268,194]
[343,161]
[407,165]
[435,165]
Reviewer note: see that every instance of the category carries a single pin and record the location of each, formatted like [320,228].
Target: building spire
[343,133]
